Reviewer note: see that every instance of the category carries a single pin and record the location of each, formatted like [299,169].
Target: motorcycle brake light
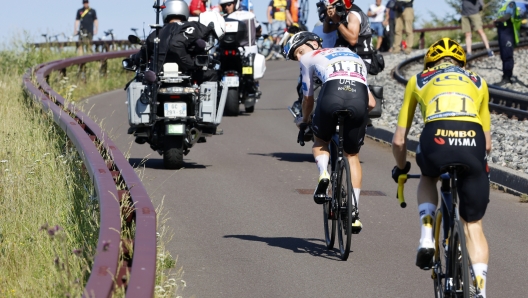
[175,97]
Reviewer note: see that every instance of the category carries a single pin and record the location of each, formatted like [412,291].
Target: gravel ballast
[509,137]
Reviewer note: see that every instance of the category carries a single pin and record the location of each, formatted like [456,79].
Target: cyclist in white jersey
[344,78]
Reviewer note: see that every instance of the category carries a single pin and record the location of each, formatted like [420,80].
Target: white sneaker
[424,256]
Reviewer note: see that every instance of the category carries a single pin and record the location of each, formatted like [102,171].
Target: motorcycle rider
[180,40]
[340,90]
[232,10]
[353,28]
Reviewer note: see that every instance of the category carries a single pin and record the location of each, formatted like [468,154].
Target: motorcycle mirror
[134,39]
[128,65]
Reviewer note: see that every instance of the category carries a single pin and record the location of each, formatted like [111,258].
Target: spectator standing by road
[404,22]
[279,18]
[197,7]
[471,19]
[376,14]
[508,24]
[86,25]
[390,16]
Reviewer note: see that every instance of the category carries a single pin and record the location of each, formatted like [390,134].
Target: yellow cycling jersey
[446,92]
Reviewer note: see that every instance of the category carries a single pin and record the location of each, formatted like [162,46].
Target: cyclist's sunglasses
[226,4]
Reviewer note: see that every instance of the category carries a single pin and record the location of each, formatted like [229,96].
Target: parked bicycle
[452,272]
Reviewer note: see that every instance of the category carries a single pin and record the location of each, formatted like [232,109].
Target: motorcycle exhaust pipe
[197,134]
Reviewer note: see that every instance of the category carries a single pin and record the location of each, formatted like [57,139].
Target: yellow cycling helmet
[445,47]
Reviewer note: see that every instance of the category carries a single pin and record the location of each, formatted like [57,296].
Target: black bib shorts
[444,142]
[341,94]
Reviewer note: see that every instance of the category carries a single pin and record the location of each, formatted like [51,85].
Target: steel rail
[503,101]
[108,168]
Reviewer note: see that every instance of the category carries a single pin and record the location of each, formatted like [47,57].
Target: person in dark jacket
[180,42]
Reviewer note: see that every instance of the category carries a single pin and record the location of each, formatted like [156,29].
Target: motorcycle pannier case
[208,94]
[259,66]
[138,112]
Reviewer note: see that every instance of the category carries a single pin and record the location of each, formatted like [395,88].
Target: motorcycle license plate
[231,81]
[248,70]
[175,109]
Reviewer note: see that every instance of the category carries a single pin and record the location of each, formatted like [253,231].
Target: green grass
[48,215]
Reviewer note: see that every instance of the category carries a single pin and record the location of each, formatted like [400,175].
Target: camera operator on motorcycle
[180,41]
[344,77]
[353,28]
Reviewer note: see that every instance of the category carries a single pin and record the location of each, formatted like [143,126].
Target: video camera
[322,7]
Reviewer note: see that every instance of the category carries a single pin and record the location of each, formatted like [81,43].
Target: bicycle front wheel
[344,214]
[329,210]
[462,280]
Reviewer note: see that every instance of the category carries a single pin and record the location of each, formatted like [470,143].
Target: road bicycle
[340,205]
[451,268]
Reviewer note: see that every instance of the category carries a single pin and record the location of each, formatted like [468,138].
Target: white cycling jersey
[331,64]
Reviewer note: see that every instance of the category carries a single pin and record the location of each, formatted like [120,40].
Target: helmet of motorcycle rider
[347,3]
[445,47]
[237,3]
[298,40]
[175,8]
[218,21]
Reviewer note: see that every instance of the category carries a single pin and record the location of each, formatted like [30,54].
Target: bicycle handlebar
[401,182]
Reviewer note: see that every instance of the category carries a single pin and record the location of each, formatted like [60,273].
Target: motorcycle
[241,66]
[169,111]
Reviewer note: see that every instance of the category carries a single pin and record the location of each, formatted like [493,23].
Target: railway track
[120,261]
[502,101]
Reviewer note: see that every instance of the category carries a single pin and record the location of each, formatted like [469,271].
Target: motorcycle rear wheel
[173,152]
[232,103]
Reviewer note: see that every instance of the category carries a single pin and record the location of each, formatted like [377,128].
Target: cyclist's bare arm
[371,102]
[270,20]
[307,107]
[399,140]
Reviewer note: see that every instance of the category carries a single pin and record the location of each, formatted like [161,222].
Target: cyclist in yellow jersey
[454,106]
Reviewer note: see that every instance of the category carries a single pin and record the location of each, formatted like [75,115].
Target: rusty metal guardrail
[108,168]
[98,45]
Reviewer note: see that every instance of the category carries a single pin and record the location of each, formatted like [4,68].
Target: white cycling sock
[322,163]
[481,270]
[357,191]
[427,213]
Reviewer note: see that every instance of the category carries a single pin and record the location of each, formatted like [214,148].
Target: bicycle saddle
[345,113]
[458,167]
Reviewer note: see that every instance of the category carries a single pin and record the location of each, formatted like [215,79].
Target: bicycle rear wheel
[329,213]
[439,264]
[344,214]
[462,280]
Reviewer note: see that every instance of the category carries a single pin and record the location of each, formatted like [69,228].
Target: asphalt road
[242,229]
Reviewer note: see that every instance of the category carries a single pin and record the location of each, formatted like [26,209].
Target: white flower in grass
[4,161]
[6,170]
[31,172]
[38,160]
[61,156]
[183,283]
[46,154]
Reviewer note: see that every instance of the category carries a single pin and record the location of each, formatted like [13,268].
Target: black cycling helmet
[298,40]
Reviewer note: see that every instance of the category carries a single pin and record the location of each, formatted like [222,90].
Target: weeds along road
[241,229]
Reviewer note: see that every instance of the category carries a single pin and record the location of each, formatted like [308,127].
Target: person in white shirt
[376,14]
